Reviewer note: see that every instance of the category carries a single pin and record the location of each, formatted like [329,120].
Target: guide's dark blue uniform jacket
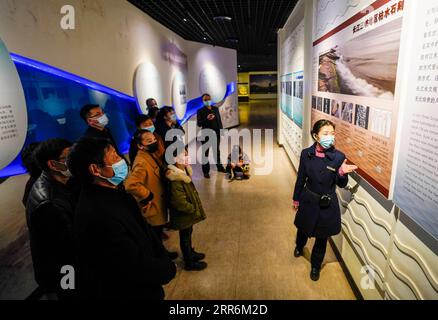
[320,176]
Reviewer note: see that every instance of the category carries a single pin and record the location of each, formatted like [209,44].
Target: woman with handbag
[322,168]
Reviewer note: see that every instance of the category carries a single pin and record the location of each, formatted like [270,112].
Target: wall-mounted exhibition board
[291,82]
[179,94]
[291,98]
[416,183]
[355,68]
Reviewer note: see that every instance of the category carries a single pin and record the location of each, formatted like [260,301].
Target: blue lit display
[194,105]
[54,98]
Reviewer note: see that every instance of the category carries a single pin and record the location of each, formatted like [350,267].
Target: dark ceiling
[254,24]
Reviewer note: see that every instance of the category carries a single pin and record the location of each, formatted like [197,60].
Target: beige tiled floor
[249,236]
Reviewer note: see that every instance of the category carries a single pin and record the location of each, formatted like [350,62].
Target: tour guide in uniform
[321,169]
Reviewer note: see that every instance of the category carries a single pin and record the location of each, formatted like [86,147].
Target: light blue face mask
[120,172]
[150,129]
[327,141]
[207,103]
[103,120]
[172,117]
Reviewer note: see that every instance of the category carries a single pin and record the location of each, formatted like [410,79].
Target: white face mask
[103,120]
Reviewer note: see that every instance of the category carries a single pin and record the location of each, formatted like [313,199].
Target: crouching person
[238,165]
[185,209]
[119,255]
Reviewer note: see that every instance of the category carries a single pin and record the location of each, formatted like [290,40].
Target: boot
[314,273]
[298,252]
[190,263]
[172,255]
[197,256]
[195,266]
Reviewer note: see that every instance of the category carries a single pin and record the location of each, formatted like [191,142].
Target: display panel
[354,84]
[243,89]
[292,88]
[286,95]
[263,84]
[291,99]
[179,94]
[298,96]
[417,170]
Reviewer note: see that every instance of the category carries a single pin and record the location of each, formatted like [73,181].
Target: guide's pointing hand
[348,168]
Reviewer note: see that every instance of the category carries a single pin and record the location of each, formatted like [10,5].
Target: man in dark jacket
[152,108]
[210,118]
[29,162]
[166,121]
[97,122]
[49,213]
[119,255]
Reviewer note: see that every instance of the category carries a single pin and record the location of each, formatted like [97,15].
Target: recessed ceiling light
[205,38]
[185,20]
[222,18]
[232,40]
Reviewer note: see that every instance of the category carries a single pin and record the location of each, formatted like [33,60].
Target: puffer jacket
[185,204]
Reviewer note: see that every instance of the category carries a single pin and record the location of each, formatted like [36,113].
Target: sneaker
[206,175]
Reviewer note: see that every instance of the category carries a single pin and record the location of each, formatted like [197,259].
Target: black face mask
[152,147]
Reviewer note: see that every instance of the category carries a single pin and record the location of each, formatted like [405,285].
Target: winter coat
[319,176]
[119,255]
[185,205]
[50,213]
[146,183]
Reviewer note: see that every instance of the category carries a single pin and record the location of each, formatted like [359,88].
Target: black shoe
[221,169]
[314,274]
[206,175]
[172,255]
[298,252]
[197,256]
[195,266]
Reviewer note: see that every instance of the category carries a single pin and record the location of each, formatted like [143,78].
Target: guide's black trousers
[318,251]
